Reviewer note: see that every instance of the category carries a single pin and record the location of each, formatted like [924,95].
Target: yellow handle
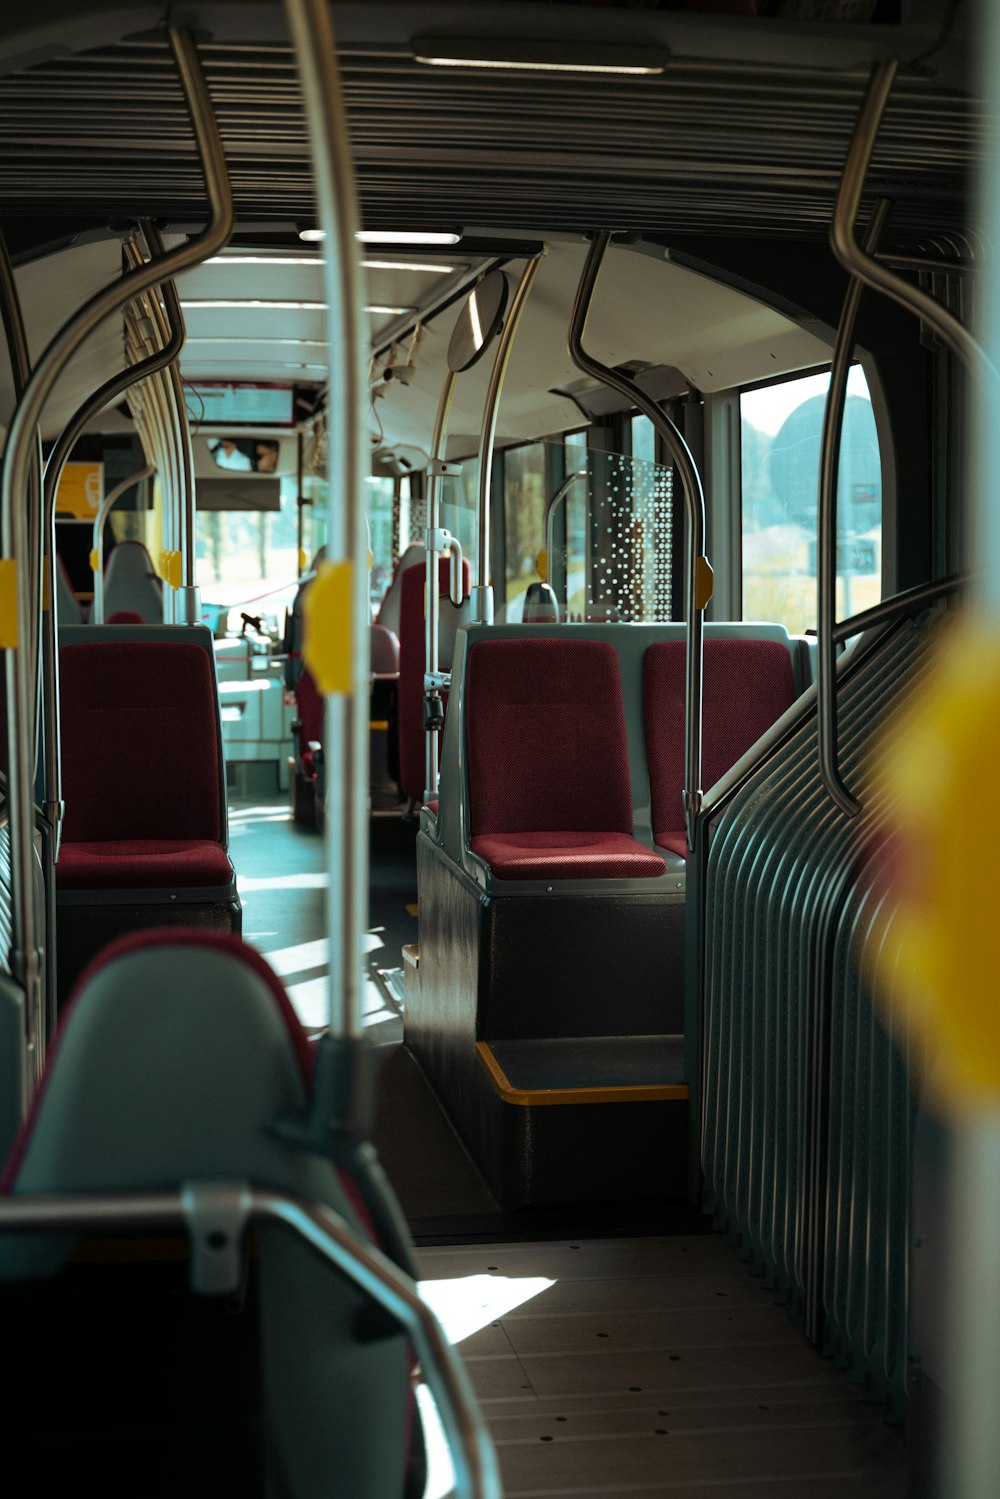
[8,604]
[326,615]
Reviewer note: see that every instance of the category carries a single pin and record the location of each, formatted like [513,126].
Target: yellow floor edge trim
[539,1097]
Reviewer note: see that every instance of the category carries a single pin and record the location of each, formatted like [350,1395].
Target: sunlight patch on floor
[307,881]
[471,1302]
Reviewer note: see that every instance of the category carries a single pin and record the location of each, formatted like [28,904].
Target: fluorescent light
[408,237]
[243,302]
[391,236]
[312,343]
[405,265]
[390,311]
[316,260]
[541,56]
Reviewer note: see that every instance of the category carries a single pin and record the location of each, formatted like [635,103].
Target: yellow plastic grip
[542,564]
[95,560]
[303,559]
[170,568]
[8,604]
[936,966]
[327,639]
[704,582]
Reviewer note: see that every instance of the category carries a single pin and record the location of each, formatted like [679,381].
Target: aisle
[653,1367]
[282,881]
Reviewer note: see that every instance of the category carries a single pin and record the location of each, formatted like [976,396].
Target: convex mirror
[479,321]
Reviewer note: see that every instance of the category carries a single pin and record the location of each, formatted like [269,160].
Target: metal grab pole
[346,750]
[698,571]
[57,460]
[550,518]
[20,668]
[107,506]
[826,581]
[432,605]
[482,593]
[859,262]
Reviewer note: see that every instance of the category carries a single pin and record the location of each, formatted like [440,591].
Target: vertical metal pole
[300,469]
[432,599]
[97,614]
[482,593]
[826,579]
[18,456]
[346,715]
[698,572]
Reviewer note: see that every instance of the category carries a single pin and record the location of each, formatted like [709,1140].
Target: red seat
[549,786]
[145,863]
[747,684]
[144,834]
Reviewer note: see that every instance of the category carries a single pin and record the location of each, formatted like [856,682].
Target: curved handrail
[698,571]
[556,499]
[372,1272]
[107,506]
[482,593]
[910,601]
[142,369]
[826,571]
[858,261]
[20,668]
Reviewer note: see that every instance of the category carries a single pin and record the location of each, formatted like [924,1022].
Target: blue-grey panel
[805,1109]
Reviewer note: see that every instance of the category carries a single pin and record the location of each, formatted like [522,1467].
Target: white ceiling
[645,309]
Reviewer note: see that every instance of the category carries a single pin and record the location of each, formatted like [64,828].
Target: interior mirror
[479,321]
[246,455]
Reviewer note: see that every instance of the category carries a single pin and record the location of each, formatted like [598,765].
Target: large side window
[781,431]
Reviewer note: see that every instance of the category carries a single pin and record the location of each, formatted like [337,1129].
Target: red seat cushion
[567,856]
[747,685]
[142,863]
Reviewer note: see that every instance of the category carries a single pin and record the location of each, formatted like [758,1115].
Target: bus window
[248,559]
[379,505]
[525,492]
[781,431]
[611,529]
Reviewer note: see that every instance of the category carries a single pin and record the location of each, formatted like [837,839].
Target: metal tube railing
[20,667]
[898,607]
[436,467]
[107,505]
[482,592]
[858,261]
[826,571]
[558,498]
[346,738]
[329,1234]
[698,571]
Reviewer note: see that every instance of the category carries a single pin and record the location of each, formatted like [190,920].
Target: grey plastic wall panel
[782,873]
[872,1108]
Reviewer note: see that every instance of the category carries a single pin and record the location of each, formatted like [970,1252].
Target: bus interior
[478,483]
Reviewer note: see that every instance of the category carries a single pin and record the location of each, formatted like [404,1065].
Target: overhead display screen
[242,405]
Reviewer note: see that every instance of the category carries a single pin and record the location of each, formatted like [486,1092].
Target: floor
[604,1365]
[652,1367]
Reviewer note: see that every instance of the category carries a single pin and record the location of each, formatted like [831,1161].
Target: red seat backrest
[140,742]
[309,705]
[545,731]
[746,685]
